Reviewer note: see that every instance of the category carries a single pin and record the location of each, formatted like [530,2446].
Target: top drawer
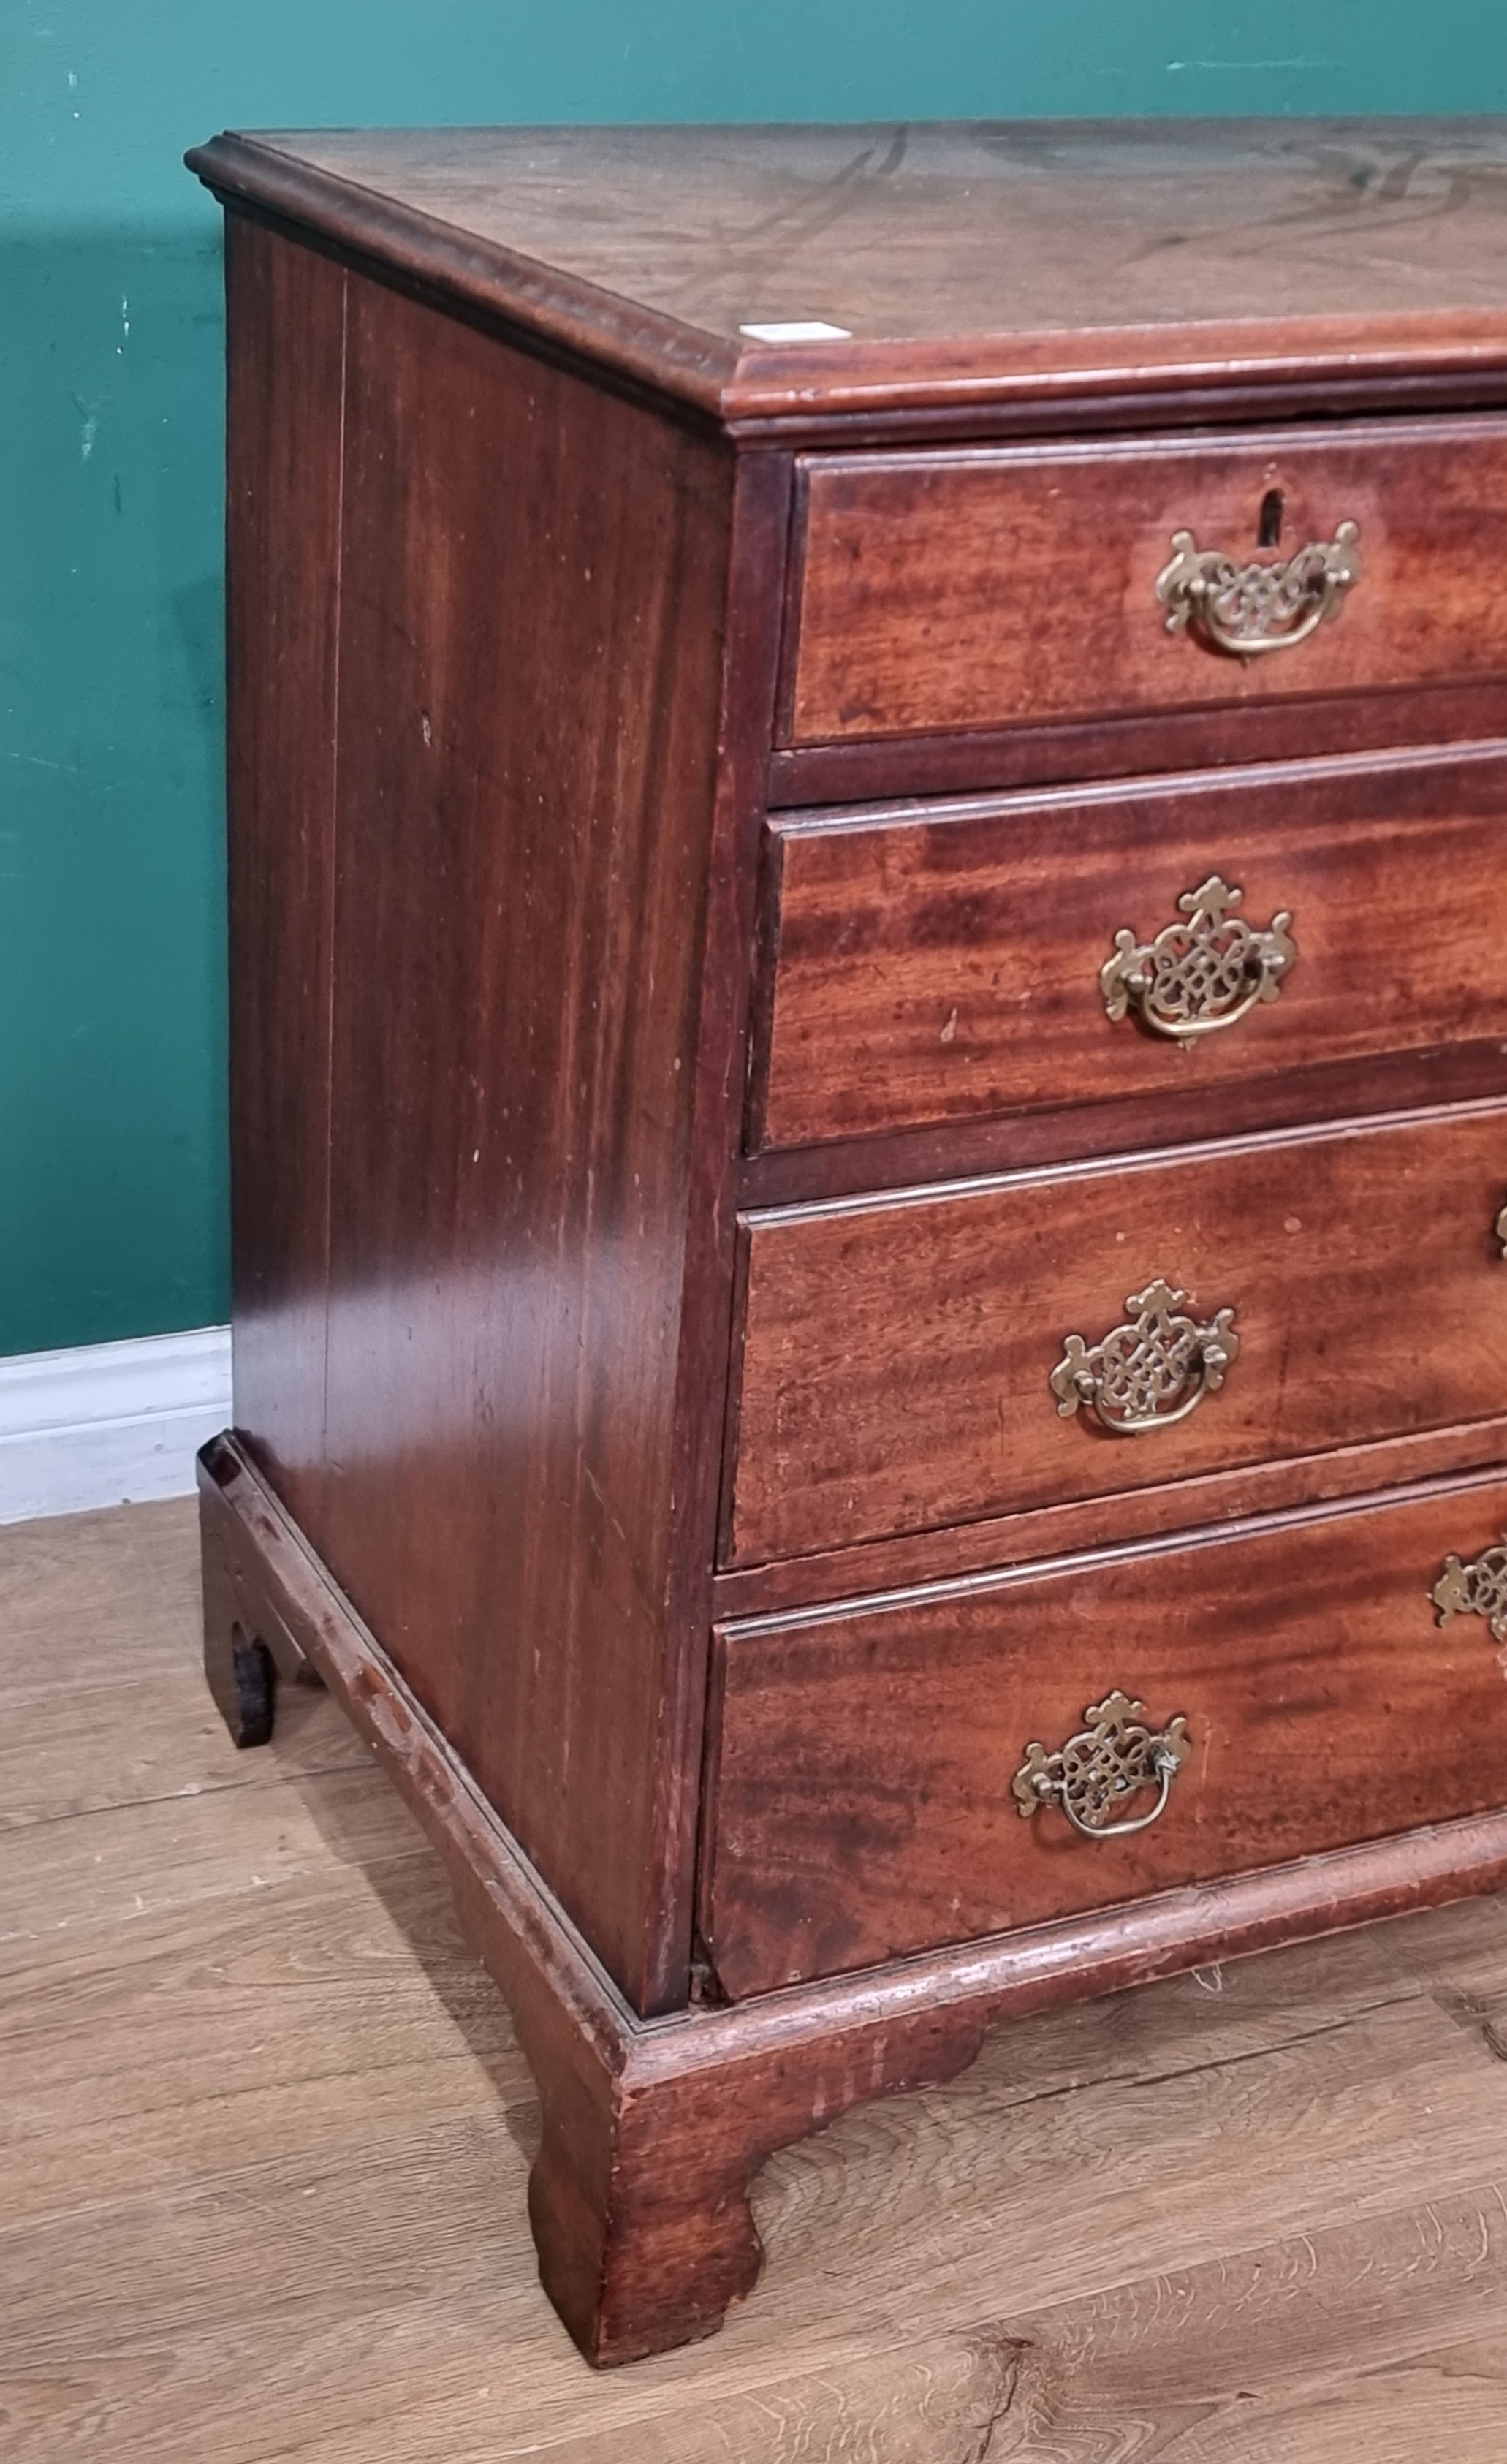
[948,591]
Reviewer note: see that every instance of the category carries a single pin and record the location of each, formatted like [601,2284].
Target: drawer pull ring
[1150,1373]
[1199,974]
[1246,609]
[1477,1589]
[1114,1757]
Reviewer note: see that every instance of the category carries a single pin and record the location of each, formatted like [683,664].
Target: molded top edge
[786,273]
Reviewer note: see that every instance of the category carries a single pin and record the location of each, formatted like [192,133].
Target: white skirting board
[110,1423]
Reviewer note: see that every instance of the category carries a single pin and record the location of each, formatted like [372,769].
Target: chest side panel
[533,576]
[286,329]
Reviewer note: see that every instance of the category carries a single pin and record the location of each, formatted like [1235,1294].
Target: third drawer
[934,1357]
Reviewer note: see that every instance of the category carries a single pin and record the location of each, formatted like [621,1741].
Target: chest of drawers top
[942,269]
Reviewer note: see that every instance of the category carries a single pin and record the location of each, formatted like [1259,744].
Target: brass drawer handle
[1150,1373]
[1477,1589]
[1114,1757]
[1247,609]
[1199,976]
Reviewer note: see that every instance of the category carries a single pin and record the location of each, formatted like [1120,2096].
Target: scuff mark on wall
[1246,68]
[88,425]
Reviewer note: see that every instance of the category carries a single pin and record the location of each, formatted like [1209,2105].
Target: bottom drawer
[1291,1685]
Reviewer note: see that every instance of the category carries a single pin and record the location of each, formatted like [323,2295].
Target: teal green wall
[112,1200]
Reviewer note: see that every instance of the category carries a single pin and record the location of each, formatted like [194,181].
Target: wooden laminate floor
[266,2135]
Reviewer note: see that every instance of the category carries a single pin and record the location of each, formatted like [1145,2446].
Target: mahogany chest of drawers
[868,889]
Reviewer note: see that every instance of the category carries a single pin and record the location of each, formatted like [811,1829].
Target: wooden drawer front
[863,1802]
[898,1352]
[993,587]
[945,964]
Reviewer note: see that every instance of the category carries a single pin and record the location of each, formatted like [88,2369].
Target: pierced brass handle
[1150,1373]
[1477,1589]
[1247,609]
[1199,976]
[1114,1757]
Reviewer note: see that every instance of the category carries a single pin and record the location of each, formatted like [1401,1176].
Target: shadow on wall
[111,836]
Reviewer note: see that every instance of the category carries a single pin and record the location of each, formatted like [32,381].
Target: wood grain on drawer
[1000,585]
[898,1352]
[943,963]
[863,1804]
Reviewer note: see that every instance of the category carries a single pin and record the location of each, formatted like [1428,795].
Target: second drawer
[934,1357]
[950,963]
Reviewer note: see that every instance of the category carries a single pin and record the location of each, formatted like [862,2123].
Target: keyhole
[1269,529]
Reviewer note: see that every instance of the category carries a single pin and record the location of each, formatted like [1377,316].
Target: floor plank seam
[194,1794]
